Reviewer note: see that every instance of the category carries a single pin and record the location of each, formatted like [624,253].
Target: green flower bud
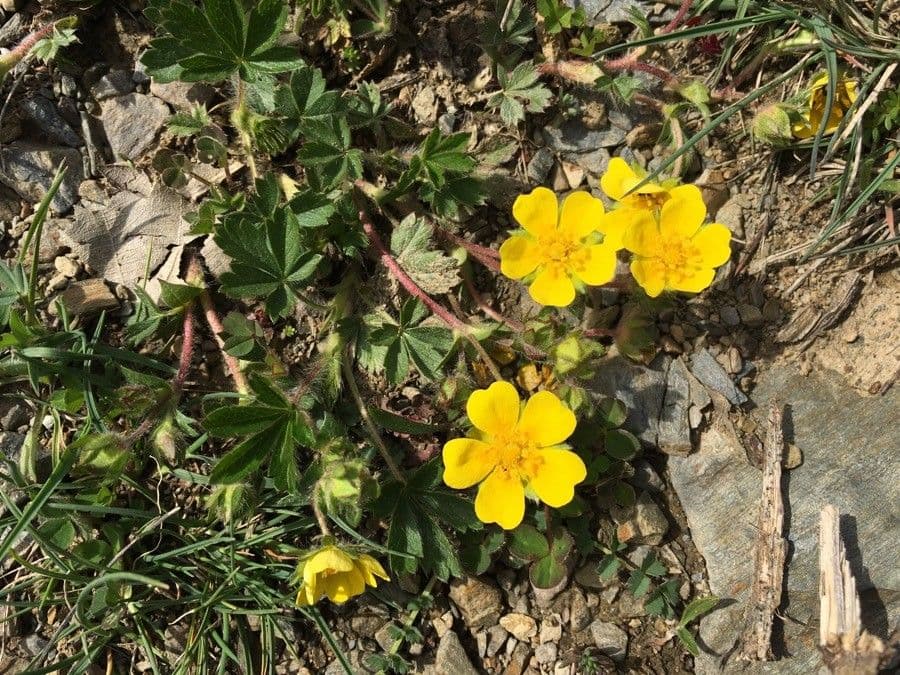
[772,125]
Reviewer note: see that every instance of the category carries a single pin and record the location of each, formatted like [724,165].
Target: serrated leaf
[638,583]
[608,567]
[178,295]
[328,151]
[521,90]
[527,543]
[248,456]
[229,421]
[393,422]
[432,270]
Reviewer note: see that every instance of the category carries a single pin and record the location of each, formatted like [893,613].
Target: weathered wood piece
[770,550]
[846,648]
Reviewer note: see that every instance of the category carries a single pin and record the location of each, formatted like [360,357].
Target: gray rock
[35,644]
[579,613]
[645,476]
[545,653]
[706,369]
[42,113]
[642,523]
[132,232]
[618,11]
[13,414]
[13,29]
[610,639]
[731,214]
[131,123]
[183,95]
[451,658]
[29,169]
[852,459]
[730,316]
[574,136]
[540,165]
[657,398]
[11,444]
[114,83]
[479,601]
[593,161]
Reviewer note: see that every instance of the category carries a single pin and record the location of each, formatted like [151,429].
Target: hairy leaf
[432,270]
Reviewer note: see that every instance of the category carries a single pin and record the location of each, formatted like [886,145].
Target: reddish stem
[405,280]
[215,325]
[486,256]
[20,51]
[187,350]
[517,326]
[678,18]
[630,63]
[599,332]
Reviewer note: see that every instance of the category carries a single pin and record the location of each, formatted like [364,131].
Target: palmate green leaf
[306,98]
[243,337]
[328,152]
[521,91]
[441,155]
[268,259]
[217,39]
[433,270]
[416,511]
[459,191]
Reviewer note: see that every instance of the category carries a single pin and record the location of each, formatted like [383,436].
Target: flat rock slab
[851,459]
[131,123]
[29,169]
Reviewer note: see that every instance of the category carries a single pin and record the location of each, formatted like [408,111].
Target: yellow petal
[519,256]
[614,224]
[683,213]
[558,472]
[328,558]
[467,461]
[597,266]
[650,273]
[618,179]
[341,587]
[307,595]
[501,500]
[371,568]
[553,287]
[546,420]
[580,215]
[694,281]
[537,212]
[714,244]
[494,410]
[643,237]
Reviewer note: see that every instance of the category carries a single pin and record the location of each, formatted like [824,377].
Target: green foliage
[558,16]
[47,48]
[548,555]
[432,270]
[216,40]
[521,91]
[243,338]
[418,512]
[13,288]
[189,123]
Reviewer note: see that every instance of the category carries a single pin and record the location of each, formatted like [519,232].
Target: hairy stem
[347,368]
[187,350]
[486,256]
[321,520]
[517,326]
[216,327]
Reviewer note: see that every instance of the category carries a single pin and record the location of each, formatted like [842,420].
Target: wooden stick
[771,548]
[846,648]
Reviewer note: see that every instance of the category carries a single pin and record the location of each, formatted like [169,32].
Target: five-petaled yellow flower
[514,449]
[674,250]
[844,97]
[619,183]
[558,246]
[336,574]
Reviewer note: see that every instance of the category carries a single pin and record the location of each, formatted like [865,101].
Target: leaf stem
[486,256]
[319,514]
[187,350]
[347,368]
[215,325]
[239,119]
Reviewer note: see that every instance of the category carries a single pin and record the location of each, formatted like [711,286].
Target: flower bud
[772,125]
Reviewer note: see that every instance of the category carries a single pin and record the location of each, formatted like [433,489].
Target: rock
[130,234]
[11,444]
[846,445]
[579,614]
[574,136]
[750,315]
[182,95]
[424,105]
[706,369]
[13,29]
[497,637]
[42,113]
[451,658]
[674,431]
[132,122]
[730,316]
[551,629]
[519,660]
[479,602]
[29,169]
[731,214]
[545,653]
[114,83]
[587,576]
[610,639]
[366,625]
[645,476]
[618,11]
[593,161]
[574,174]
[540,165]
[35,644]
[520,626]
[13,414]
[66,266]
[86,297]
[642,523]
[384,635]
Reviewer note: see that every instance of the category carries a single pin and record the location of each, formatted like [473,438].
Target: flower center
[650,201]
[682,259]
[558,248]
[515,454]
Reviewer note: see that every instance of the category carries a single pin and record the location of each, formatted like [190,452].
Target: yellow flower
[844,97]
[513,450]
[618,182]
[557,246]
[337,574]
[675,251]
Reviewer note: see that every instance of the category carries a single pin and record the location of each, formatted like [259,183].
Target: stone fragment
[13,29]
[479,601]
[674,435]
[66,266]
[451,658]
[183,95]
[29,169]
[540,165]
[132,122]
[545,653]
[706,369]
[847,445]
[520,626]
[116,82]
[551,629]
[642,523]
[497,637]
[579,614]
[610,639]
[43,114]
[519,660]
[424,105]
[13,414]
[573,136]
[89,296]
